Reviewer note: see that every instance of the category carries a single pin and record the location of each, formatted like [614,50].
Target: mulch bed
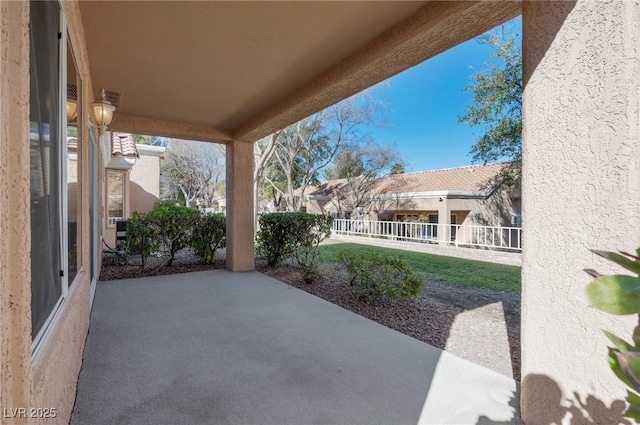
[185,262]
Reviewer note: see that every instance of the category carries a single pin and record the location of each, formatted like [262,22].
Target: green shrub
[620,295]
[308,231]
[142,237]
[376,275]
[208,235]
[293,235]
[275,241]
[174,225]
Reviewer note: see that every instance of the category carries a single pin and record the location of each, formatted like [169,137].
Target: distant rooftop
[471,178]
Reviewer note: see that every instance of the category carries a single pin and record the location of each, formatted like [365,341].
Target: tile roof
[123,144]
[72,144]
[472,178]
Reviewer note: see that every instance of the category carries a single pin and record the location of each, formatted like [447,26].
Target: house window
[454,229]
[73,171]
[407,217]
[516,220]
[432,228]
[55,164]
[115,196]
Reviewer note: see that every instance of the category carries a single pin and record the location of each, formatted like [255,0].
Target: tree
[263,151]
[497,105]
[362,164]
[303,149]
[348,163]
[150,140]
[192,170]
[397,168]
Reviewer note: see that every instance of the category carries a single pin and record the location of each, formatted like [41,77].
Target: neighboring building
[132,181]
[461,195]
[145,178]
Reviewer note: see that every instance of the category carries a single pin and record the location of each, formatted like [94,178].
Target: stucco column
[240,217]
[15,228]
[444,221]
[581,190]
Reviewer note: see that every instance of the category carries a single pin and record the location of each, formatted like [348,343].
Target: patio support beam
[444,218]
[153,127]
[425,34]
[15,228]
[581,175]
[240,217]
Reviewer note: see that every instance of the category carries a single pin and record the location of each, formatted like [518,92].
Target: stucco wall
[581,190]
[50,380]
[57,365]
[145,179]
[58,362]
[497,210]
[15,272]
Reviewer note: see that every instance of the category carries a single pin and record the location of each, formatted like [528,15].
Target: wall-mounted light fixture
[72,110]
[102,112]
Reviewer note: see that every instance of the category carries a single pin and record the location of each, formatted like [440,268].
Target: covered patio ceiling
[217,71]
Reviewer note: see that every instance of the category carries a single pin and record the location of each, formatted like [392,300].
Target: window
[115,196]
[73,168]
[432,228]
[55,166]
[45,170]
[516,220]
[407,217]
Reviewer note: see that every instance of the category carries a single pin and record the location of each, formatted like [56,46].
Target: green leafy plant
[376,275]
[308,231]
[209,234]
[174,224]
[275,241]
[142,237]
[293,235]
[620,295]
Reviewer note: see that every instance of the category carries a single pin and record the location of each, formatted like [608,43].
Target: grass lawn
[449,270]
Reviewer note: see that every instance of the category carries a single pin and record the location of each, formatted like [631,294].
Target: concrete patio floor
[217,347]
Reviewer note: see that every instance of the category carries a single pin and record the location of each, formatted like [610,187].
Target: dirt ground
[481,326]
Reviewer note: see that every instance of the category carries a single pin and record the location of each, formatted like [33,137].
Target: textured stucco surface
[15,294]
[144,181]
[57,366]
[581,181]
[240,218]
[143,125]
[497,210]
[49,381]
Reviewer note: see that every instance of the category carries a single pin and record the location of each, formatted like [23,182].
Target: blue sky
[424,103]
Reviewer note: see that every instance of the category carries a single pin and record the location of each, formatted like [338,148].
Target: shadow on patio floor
[230,348]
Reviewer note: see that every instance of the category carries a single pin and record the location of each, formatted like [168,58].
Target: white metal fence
[507,238]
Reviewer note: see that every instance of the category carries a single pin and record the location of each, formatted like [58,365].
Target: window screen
[44,142]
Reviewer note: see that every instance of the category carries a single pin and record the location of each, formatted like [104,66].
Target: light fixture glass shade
[72,110]
[103,111]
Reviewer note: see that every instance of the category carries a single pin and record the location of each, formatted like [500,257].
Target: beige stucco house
[250,76]
[132,181]
[460,195]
